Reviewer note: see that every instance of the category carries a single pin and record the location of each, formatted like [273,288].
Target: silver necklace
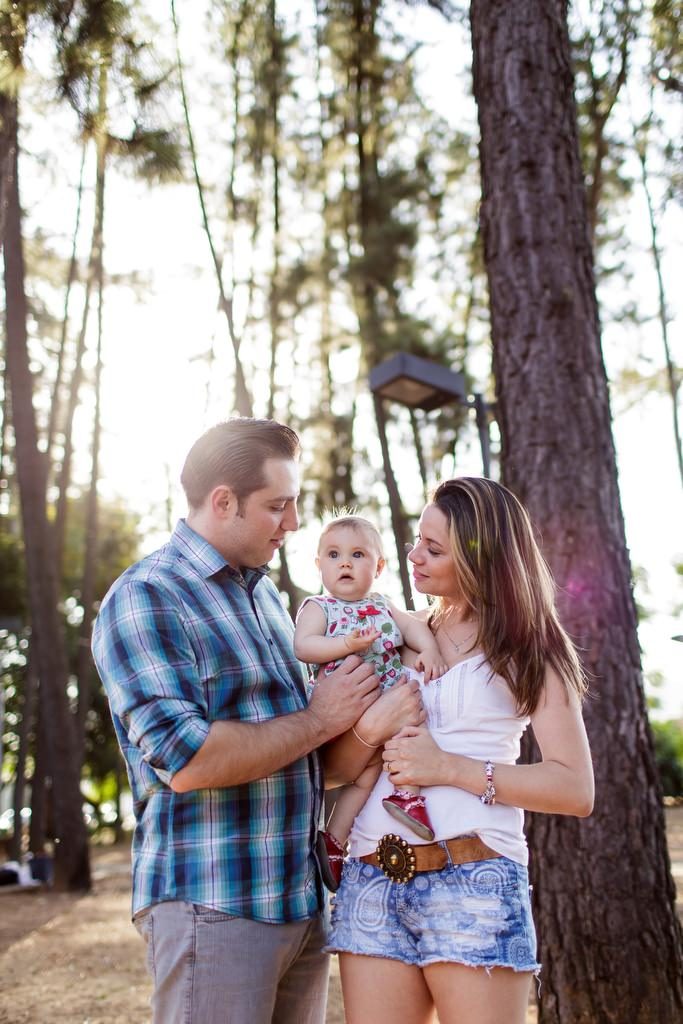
[457,644]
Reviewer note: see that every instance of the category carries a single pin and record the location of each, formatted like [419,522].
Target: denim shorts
[477,914]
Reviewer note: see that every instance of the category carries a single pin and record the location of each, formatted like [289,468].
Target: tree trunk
[8,130]
[371,325]
[56,406]
[274,312]
[243,400]
[398,520]
[610,941]
[673,374]
[27,715]
[64,477]
[5,413]
[84,664]
[71,844]
[39,784]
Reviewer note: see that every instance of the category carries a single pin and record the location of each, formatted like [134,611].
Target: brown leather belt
[400,861]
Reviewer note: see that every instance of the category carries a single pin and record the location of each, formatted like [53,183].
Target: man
[213,716]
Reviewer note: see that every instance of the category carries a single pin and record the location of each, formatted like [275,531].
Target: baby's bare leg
[351,800]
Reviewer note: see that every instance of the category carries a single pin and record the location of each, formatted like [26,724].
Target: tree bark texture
[604,898]
[71,843]
[16,849]
[8,130]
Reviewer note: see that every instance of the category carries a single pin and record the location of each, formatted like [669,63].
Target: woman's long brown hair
[506,582]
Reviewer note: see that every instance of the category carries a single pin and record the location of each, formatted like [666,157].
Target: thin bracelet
[365,743]
[488,797]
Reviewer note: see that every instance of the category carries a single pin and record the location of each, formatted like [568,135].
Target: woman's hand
[412,758]
[400,705]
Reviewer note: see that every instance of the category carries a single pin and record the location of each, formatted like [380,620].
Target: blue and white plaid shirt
[182,640]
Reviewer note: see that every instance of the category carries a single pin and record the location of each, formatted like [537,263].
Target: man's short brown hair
[233,454]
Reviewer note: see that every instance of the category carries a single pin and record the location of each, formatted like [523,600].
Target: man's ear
[380,565]
[222,500]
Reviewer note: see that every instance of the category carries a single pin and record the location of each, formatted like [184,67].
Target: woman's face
[433,565]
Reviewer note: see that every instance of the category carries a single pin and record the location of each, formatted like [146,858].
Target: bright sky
[155,402]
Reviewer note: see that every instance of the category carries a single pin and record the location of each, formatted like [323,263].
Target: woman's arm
[311,644]
[562,783]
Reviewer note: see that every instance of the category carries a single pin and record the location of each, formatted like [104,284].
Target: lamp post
[419,384]
[422,384]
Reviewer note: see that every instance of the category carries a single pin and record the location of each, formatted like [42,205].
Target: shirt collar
[204,556]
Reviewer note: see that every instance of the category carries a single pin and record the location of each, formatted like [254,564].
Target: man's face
[252,533]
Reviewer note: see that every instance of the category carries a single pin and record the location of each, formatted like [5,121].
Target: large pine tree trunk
[604,898]
[71,850]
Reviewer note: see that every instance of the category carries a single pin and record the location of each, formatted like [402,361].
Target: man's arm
[149,671]
[346,757]
[236,752]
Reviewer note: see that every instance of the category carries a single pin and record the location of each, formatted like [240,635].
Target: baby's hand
[361,639]
[430,662]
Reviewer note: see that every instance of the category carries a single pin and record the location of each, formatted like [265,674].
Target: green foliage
[329,142]
[12,582]
[602,45]
[667,43]
[668,739]
[117,548]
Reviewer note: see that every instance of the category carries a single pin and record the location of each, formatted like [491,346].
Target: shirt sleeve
[149,671]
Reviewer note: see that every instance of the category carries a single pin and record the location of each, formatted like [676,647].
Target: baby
[351,618]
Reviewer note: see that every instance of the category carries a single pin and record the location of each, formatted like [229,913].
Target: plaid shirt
[182,640]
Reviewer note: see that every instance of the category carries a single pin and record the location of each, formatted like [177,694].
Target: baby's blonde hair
[349,521]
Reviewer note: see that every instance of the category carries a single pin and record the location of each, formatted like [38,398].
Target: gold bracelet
[365,743]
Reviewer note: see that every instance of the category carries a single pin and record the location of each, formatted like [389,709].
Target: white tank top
[470,712]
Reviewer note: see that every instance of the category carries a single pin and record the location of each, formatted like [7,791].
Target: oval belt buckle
[396,858]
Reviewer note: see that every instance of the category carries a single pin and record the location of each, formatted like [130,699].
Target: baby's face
[349,562]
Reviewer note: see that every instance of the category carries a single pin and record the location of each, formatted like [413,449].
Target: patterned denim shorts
[478,914]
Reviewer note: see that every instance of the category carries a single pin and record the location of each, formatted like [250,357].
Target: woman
[445,928]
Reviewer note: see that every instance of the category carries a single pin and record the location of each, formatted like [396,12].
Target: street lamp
[422,384]
[418,384]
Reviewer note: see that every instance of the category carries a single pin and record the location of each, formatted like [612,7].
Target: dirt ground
[66,960]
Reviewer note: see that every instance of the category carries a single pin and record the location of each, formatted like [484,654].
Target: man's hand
[400,705]
[344,696]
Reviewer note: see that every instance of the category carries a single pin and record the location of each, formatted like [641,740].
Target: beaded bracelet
[488,797]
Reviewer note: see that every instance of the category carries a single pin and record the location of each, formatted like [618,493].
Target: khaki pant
[213,968]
